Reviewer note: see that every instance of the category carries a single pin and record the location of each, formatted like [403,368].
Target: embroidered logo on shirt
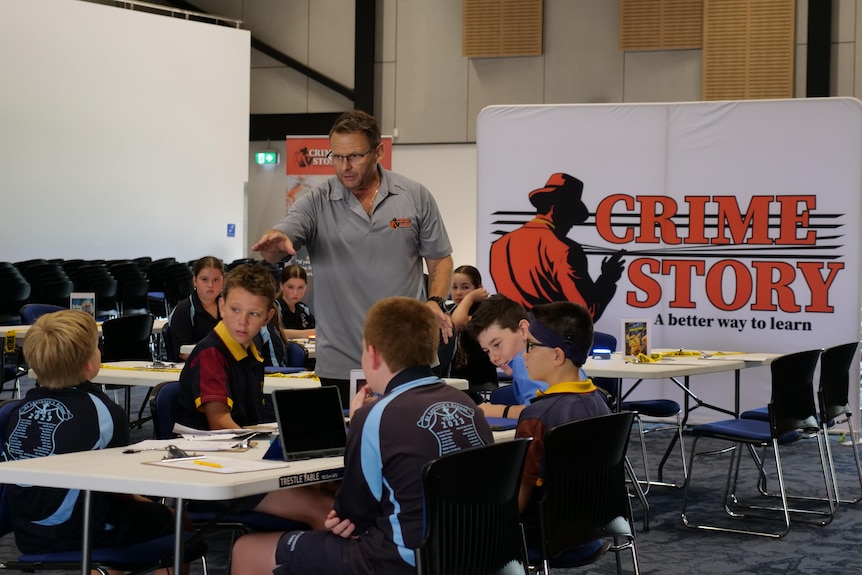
[400,223]
[450,421]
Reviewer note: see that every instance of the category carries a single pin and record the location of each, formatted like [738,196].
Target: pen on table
[207,463]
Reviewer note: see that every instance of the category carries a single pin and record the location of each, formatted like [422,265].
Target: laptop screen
[310,422]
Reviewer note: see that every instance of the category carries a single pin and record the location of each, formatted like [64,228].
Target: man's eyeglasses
[532,344]
[351,158]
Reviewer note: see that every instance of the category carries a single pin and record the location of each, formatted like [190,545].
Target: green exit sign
[266,158]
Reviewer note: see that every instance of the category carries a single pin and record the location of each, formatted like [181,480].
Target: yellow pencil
[207,463]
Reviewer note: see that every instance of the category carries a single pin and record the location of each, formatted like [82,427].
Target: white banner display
[728,225]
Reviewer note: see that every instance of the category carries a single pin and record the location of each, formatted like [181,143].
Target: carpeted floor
[669,548]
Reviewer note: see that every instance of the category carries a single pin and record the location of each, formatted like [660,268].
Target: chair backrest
[127,338]
[471,512]
[446,355]
[504,395]
[168,340]
[834,392]
[792,405]
[584,497]
[33,311]
[164,402]
[296,355]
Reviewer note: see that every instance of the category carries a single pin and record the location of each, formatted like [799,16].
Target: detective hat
[564,191]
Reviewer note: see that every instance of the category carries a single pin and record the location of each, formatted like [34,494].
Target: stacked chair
[132,287]
[95,278]
[48,281]
[156,300]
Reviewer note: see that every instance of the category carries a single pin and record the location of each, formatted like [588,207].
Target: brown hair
[404,331]
[207,262]
[59,345]
[470,272]
[253,278]
[293,271]
[496,309]
[358,122]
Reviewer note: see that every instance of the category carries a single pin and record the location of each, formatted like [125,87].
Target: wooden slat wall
[660,24]
[748,49]
[502,28]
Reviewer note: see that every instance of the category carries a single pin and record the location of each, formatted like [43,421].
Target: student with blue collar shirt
[500,326]
[377,520]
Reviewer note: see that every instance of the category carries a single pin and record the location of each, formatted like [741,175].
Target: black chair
[156,300]
[127,338]
[471,512]
[178,283]
[834,404]
[95,278]
[132,287]
[834,401]
[792,418]
[584,495]
[14,292]
[652,408]
[138,557]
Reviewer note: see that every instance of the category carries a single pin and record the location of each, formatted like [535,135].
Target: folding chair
[792,417]
[584,495]
[471,512]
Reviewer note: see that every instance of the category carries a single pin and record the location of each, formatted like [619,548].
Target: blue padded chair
[792,417]
[33,311]
[653,408]
[504,395]
[296,354]
[142,556]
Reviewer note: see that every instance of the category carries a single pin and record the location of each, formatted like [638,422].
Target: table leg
[179,541]
[86,535]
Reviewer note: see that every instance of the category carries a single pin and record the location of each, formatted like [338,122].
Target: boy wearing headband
[559,339]
[500,326]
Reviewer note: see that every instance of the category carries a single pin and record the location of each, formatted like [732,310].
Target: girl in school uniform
[297,320]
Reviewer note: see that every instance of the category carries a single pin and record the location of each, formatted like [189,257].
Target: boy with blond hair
[66,413]
[404,417]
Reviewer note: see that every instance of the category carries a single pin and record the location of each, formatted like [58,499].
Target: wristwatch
[439,301]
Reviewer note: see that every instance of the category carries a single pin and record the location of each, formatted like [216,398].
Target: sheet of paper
[215,464]
[739,357]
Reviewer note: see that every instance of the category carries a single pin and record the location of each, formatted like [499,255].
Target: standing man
[367,231]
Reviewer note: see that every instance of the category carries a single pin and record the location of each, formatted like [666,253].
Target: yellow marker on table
[207,463]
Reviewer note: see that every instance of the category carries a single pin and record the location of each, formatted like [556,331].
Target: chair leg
[731,480]
[640,493]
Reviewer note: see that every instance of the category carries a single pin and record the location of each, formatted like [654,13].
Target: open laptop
[310,422]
